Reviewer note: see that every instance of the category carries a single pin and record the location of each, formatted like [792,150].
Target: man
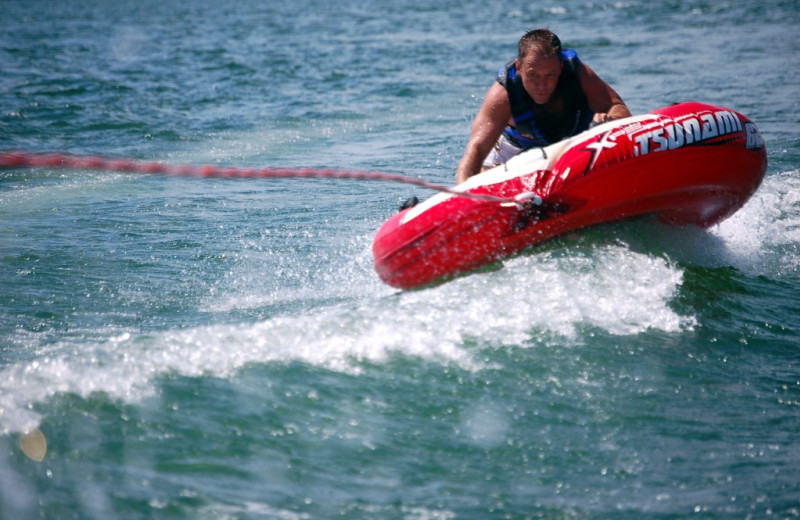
[545,95]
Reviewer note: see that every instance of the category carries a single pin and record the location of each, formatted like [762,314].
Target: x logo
[597,147]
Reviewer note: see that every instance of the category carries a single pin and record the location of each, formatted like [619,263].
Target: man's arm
[603,100]
[489,123]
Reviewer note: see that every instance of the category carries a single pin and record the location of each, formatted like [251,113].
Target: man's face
[540,75]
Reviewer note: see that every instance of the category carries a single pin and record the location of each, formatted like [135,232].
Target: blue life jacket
[528,132]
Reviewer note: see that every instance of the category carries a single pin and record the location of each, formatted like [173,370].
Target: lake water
[216,349]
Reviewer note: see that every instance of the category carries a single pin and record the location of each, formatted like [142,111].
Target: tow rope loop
[98,163]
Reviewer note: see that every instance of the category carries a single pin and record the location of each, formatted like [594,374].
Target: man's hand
[602,118]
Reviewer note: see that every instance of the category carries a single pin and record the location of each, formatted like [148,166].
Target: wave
[623,286]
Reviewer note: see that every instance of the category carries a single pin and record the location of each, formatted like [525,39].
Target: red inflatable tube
[691,163]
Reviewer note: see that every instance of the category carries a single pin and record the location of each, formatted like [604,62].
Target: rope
[97,163]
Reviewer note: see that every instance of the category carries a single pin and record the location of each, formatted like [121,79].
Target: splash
[763,236]
[760,239]
[612,288]
[555,292]
[621,288]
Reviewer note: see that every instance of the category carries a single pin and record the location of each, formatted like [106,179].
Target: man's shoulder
[571,60]
[569,55]
[507,73]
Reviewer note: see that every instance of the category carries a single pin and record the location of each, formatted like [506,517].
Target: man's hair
[543,40]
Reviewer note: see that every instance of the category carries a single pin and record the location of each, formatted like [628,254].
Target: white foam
[557,291]
[543,292]
[763,236]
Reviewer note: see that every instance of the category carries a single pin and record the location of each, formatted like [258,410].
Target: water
[223,349]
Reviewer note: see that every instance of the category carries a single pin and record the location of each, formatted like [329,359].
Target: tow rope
[11,160]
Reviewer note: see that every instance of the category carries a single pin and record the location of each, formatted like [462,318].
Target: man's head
[540,63]
[544,41]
